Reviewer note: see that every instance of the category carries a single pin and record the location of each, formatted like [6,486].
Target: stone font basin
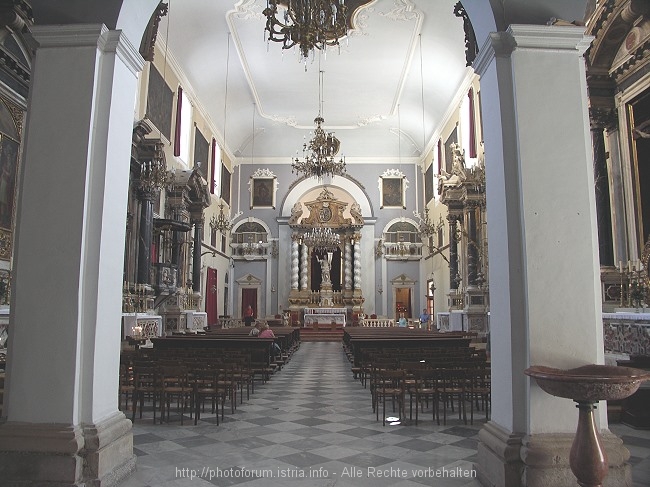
[589,383]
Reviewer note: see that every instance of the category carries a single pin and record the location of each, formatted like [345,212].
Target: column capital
[542,37]
[88,35]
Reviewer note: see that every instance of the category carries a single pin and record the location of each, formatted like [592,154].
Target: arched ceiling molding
[610,26]
[345,184]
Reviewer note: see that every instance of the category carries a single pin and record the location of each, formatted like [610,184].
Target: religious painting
[428,184]
[8,164]
[263,193]
[392,192]
[9,149]
[201,153]
[449,156]
[160,102]
[225,184]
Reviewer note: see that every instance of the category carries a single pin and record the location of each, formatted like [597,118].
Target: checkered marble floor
[313,425]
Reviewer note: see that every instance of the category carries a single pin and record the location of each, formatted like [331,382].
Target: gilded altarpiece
[327,212]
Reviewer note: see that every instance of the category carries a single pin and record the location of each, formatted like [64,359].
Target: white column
[348,265]
[62,372]
[294,264]
[357,263]
[543,252]
[303,267]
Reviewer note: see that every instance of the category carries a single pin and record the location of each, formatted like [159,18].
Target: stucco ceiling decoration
[404,21]
[377,68]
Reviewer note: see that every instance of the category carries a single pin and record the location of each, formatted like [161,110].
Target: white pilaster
[65,340]
[543,253]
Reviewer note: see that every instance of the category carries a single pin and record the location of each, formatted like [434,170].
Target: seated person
[266,332]
[402,320]
[256,330]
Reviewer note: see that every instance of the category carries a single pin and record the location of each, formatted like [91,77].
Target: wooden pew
[358,338]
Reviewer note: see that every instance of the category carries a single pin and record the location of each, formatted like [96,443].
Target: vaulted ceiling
[399,69]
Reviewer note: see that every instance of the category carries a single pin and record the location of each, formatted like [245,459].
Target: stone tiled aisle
[313,425]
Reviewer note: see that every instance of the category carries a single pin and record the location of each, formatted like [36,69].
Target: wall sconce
[273,289]
[380,289]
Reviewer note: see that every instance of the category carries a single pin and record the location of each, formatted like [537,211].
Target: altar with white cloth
[324,316]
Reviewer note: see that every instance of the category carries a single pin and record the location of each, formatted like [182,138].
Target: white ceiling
[372,87]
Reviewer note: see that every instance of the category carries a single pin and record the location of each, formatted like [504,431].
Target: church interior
[458,186]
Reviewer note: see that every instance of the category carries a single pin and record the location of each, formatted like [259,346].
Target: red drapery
[177,128]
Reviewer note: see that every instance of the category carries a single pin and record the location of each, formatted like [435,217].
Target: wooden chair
[175,385]
[390,385]
[207,385]
[127,388]
[479,391]
[452,387]
[425,388]
[147,386]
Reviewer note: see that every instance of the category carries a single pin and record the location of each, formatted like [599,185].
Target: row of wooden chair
[437,384]
[188,378]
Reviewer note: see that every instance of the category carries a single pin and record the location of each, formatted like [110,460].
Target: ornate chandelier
[307,23]
[322,238]
[320,152]
[319,155]
[222,223]
[425,226]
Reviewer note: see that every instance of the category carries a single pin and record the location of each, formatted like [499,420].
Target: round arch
[343,183]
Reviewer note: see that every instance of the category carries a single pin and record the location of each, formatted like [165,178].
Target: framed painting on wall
[449,156]
[201,153]
[225,184]
[160,102]
[392,189]
[428,184]
[263,194]
[9,149]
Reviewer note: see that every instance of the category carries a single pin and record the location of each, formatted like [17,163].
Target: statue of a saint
[325,271]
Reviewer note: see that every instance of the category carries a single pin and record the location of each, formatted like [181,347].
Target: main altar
[324,316]
[325,262]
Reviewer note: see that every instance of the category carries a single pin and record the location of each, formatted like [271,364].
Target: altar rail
[230,323]
[377,323]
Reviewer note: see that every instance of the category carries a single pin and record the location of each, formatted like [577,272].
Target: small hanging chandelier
[322,238]
[222,223]
[308,24]
[320,152]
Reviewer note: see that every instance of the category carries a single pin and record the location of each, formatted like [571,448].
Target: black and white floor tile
[312,425]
